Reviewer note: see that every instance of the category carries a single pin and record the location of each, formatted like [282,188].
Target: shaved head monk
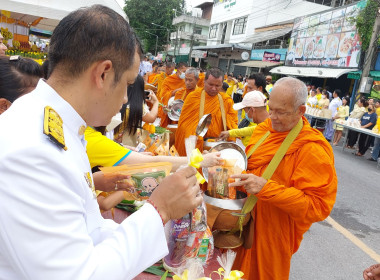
[200,102]
[301,191]
[191,80]
[171,85]
[168,70]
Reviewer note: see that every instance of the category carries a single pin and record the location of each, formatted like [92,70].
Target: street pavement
[325,252]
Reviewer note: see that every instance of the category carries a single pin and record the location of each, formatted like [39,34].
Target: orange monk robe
[301,191]
[171,83]
[152,79]
[189,118]
[159,81]
[182,94]
[201,81]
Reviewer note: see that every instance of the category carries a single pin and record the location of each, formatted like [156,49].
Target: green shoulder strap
[252,199]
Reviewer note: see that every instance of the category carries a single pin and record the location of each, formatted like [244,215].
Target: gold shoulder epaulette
[53,127]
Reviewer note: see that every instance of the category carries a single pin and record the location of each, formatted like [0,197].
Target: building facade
[238,26]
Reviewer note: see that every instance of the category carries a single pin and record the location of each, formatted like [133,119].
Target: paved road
[326,253]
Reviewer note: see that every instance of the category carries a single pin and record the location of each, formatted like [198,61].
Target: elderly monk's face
[282,110]
[213,85]
[190,81]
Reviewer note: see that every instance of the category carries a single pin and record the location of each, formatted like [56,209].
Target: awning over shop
[357,74]
[311,71]
[223,46]
[51,11]
[258,64]
[267,35]
[375,75]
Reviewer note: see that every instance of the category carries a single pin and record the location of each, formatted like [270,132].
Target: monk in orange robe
[190,114]
[191,80]
[301,191]
[152,75]
[169,68]
[201,80]
[170,86]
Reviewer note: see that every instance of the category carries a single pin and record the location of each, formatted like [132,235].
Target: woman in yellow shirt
[324,101]
[343,112]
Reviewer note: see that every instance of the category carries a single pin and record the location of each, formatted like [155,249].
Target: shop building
[238,25]
[190,31]
[324,48]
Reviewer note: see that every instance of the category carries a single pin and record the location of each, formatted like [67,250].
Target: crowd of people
[65,107]
[365,110]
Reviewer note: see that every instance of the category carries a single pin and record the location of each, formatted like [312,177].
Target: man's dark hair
[89,35]
[260,80]
[215,72]
[170,64]
[338,92]
[225,86]
[181,64]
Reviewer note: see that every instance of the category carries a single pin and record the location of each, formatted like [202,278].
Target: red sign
[271,57]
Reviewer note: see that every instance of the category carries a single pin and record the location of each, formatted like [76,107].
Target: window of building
[198,30]
[239,27]
[213,30]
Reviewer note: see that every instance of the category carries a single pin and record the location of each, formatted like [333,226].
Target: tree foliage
[142,13]
[365,22]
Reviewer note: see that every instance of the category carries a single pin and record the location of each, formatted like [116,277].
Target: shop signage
[327,39]
[272,57]
[259,54]
[229,4]
[199,54]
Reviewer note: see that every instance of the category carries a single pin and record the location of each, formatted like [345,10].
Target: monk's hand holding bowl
[251,183]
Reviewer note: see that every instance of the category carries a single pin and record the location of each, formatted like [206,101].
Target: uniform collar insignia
[53,127]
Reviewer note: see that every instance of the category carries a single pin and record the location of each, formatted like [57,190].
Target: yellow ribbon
[195,161]
[234,274]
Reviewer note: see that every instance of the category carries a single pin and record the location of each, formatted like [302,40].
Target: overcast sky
[189,3]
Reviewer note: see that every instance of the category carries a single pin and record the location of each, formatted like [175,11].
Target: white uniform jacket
[50,223]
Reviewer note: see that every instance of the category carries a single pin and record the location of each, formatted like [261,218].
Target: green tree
[365,21]
[142,13]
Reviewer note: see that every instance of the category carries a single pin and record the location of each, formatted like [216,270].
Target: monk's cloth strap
[252,199]
[221,104]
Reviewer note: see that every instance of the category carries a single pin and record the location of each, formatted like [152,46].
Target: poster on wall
[328,39]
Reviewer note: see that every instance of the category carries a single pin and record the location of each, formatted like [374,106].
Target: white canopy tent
[51,11]
[311,71]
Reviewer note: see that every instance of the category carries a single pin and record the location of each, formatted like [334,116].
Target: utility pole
[176,41]
[155,54]
[191,43]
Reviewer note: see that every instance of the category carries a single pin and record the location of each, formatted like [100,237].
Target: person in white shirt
[312,100]
[333,107]
[50,223]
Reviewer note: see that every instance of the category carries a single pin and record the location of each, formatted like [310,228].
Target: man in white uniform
[50,224]
[333,107]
